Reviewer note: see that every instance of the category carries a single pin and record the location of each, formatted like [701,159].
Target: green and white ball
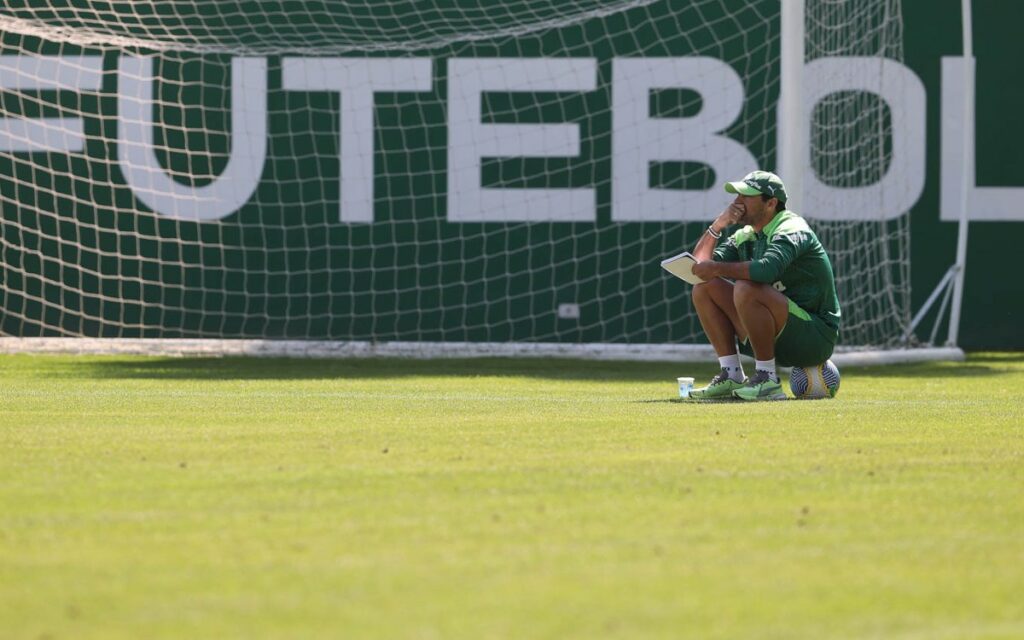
[820,381]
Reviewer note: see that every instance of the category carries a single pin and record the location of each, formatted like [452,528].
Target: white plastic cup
[685,384]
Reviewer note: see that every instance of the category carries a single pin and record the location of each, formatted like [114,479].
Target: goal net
[463,172]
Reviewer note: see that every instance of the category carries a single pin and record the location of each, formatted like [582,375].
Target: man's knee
[746,291]
[711,291]
[752,295]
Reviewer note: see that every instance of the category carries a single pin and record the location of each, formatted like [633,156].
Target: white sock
[733,366]
[766,365]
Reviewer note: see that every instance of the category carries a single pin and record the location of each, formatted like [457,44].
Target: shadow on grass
[980,365]
[309,369]
[242,368]
[1002,357]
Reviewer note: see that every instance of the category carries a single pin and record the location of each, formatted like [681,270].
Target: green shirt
[787,255]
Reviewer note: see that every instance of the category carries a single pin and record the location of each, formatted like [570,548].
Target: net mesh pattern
[192,169]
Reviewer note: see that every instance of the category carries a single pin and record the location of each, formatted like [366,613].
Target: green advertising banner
[442,175]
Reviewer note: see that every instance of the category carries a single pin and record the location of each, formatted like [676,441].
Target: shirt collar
[780,217]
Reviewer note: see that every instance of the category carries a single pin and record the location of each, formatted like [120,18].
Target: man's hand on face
[730,215]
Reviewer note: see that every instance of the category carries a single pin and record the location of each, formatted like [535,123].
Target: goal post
[403,178]
[792,58]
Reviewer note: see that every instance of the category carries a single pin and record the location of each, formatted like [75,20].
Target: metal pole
[969,177]
[942,287]
[791,142]
[942,312]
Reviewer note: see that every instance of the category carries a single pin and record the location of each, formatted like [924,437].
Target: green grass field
[187,498]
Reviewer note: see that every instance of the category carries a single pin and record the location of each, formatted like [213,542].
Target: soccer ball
[820,381]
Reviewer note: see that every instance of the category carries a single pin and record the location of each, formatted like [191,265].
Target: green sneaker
[761,386]
[720,388]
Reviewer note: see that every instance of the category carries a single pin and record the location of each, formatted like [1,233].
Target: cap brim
[741,188]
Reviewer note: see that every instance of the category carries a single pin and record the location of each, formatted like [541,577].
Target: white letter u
[137,153]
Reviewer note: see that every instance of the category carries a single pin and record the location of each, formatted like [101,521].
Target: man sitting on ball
[782,306]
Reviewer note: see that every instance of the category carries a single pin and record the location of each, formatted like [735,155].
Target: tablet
[681,266]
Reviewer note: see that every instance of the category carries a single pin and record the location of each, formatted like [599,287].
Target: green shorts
[805,340]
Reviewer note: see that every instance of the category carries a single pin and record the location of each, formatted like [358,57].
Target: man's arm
[708,269]
[706,245]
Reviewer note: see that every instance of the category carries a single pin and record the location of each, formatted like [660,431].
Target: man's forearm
[731,270]
[705,247]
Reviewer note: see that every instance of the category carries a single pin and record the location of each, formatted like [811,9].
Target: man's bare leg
[720,319]
[762,313]
[718,315]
